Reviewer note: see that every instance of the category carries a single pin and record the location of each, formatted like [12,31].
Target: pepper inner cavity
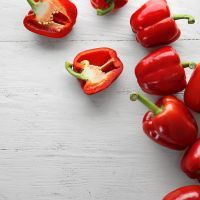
[108,66]
[92,72]
[60,18]
[55,17]
[49,12]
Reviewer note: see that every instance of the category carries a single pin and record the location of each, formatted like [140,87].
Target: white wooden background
[57,143]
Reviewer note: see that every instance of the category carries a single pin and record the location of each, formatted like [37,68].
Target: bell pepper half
[190,162]
[104,7]
[96,69]
[162,73]
[169,122]
[192,91]
[190,192]
[154,25]
[51,18]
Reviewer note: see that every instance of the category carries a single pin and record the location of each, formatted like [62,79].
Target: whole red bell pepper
[51,18]
[161,72]
[191,192]
[154,25]
[96,69]
[190,162]
[104,7]
[192,91]
[169,122]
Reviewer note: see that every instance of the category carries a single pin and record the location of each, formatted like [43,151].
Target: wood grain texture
[57,143]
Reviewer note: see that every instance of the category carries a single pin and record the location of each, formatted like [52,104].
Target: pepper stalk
[149,104]
[191,65]
[80,76]
[190,18]
[111,6]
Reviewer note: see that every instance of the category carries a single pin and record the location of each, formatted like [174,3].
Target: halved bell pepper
[162,73]
[96,69]
[51,18]
[104,7]
[154,25]
[169,122]
[192,91]
[190,162]
[190,192]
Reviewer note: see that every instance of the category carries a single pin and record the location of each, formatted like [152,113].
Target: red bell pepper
[190,162]
[96,69]
[169,122]
[154,25]
[104,7]
[161,72]
[51,18]
[192,91]
[191,192]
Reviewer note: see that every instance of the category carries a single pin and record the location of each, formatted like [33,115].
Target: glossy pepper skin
[192,91]
[161,72]
[154,25]
[96,69]
[51,18]
[191,192]
[104,7]
[169,122]
[190,162]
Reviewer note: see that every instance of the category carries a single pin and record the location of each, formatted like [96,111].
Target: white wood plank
[57,143]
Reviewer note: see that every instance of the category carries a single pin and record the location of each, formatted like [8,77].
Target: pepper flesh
[51,18]
[190,162]
[192,91]
[104,7]
[191,192]
[170,123]
[96,69]
[154,25]
[161,72]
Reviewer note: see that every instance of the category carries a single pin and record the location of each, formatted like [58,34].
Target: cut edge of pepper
[54,18]
[105,68]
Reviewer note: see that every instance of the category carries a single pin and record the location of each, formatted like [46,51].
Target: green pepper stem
[33,4]
[191,65]
[102,12]
[190,18]
[80,76]
[149,104]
